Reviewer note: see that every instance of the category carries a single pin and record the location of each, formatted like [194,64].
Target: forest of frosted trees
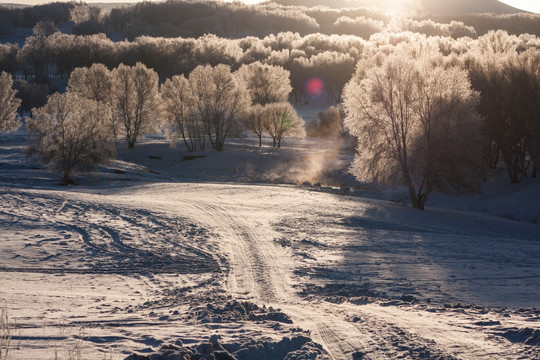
[469,86]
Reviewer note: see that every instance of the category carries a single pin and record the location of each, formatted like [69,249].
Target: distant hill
[15,6]
[431,6]
[107,6]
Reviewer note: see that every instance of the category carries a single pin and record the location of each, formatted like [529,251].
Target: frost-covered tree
[266,83]
[360,26]
[282,120]
[31,94]
[8,105]
[416,125]
[44,28]
[219,100]
[136,100]
[336,70]
[70,133]
[83,12]
[93,83]
[96,83]
[329,124]
[179,109]
[35,58]
[254,120]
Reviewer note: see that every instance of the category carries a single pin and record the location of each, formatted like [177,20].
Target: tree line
[43,58]
[78,129]
[432,121]
[476,99]
[188,18]
[330,57]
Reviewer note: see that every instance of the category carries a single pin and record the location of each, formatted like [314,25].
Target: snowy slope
[153,250]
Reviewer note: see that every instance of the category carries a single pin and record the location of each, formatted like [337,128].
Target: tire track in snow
[250,272]
[105,236]
[254,271]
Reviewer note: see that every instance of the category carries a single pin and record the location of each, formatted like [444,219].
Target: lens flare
[315,87]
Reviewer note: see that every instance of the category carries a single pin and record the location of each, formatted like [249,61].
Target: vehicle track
[258,269]
[112,239]
[255,273]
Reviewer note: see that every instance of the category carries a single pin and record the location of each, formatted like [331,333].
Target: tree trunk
[66,180]
[414,199]
[418,199]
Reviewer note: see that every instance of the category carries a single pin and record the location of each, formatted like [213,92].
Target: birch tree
[282,120]
[219,100]
[95,83]
[416,125]
[136,105]
[254,120]
[178,106]
[266,83]
[70,133]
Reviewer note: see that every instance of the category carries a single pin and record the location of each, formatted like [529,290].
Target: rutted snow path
[262,271]
[279,241]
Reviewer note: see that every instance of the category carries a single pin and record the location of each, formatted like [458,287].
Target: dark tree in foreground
[416,125]
[70,133]
[510,104]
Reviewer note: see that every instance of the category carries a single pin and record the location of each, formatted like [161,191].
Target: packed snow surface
[209,256]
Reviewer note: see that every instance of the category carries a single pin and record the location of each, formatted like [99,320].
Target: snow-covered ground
[261,254]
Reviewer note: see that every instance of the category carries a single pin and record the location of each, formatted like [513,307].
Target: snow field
[143,254]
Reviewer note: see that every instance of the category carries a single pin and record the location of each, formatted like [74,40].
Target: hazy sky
[529,5]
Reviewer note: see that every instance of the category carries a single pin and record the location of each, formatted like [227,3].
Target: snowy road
[262,271]
[365,278]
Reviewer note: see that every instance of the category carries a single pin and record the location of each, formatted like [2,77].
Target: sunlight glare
[528,5]
[315,87]
[397,5]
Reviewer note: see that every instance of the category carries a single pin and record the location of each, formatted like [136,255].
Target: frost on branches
[178,108]
[70,133]
[8,105]
[96,83]
[282,120]
[219,99]
[416,125]
[136,99]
